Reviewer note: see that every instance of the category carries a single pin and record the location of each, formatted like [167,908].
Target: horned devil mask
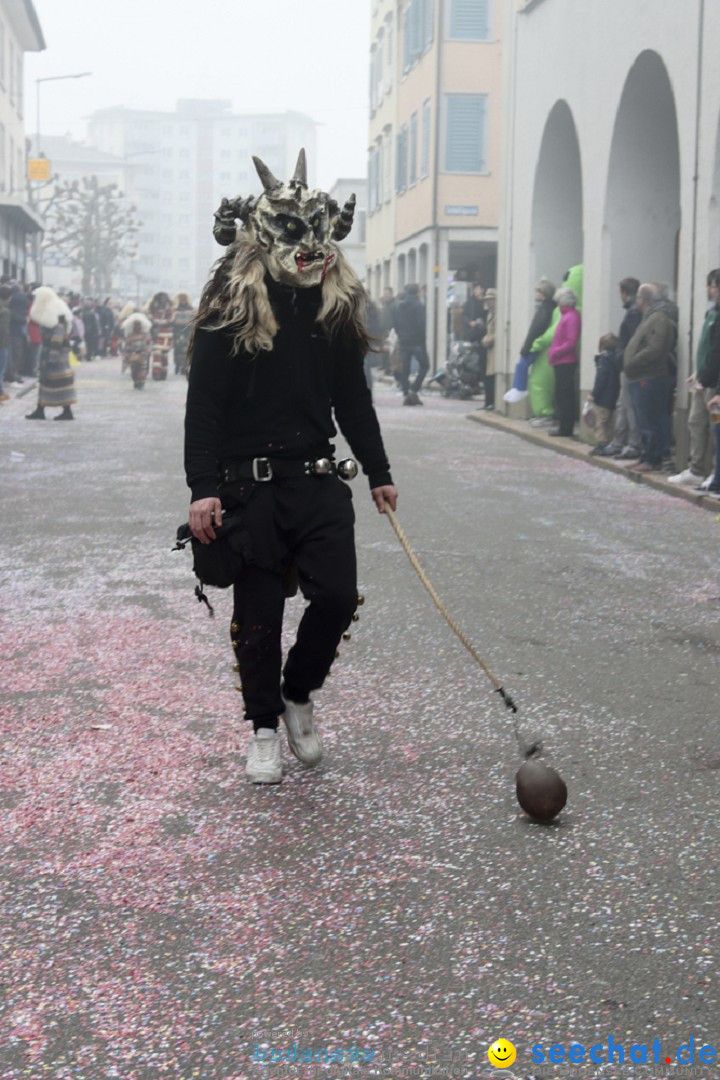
[296,229]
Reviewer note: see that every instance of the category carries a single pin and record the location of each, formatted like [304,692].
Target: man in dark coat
[410,329]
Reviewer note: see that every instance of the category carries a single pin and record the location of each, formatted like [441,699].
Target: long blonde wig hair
[236,299]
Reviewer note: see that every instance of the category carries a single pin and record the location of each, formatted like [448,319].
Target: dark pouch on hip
[221,562]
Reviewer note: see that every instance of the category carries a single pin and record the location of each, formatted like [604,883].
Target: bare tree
[91,225]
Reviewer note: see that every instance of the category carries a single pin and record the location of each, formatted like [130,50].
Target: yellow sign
[38,169]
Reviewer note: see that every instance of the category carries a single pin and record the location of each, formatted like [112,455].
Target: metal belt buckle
[262,469]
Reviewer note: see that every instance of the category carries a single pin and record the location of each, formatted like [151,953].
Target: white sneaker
[264,763]
[687,476]
[706,482]
[514,395]
[302,737]
[542,421]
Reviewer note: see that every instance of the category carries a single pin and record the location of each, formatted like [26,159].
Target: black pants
[311,520]
[490,390]
[565,397]
[420,353]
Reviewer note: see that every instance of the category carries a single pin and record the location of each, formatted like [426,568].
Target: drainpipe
[510,178]
[440,292]
[696,179]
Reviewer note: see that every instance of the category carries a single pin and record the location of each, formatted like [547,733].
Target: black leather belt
[262,469]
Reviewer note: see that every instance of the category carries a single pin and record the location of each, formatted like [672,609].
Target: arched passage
[557,230]
[642,211]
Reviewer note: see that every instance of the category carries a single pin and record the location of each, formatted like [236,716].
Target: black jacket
[410,321]
[473,309]
[606,389]
[710,377]
[541,320]
[278,404]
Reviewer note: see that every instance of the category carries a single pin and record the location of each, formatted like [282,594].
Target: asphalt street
[162,918]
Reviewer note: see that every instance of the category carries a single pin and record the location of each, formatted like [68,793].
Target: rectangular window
[387,163]
[372,173]
[3,163]
[2,52]
[465,133]
[429,22]
[19,84]
[413,149]
[401,156]
[11,73]
[425,152]
[469,20]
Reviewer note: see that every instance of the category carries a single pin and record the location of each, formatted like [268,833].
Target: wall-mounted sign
[38,168]
[461,211]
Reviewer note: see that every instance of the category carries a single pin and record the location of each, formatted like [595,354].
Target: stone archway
[642,209]
[557,227]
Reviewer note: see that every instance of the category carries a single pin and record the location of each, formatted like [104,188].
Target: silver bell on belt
[322,466]
[347,468]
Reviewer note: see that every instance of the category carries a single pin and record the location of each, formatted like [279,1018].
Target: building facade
[20,32]
[180,165]
[612,160]
[434,153]
[353,245]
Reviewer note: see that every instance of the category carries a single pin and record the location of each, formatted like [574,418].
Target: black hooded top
[280,404]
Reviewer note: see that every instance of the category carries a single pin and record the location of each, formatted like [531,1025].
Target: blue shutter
[425,152]
[429,22]
[406,39]
[470,20]
[413,149]
[465,133]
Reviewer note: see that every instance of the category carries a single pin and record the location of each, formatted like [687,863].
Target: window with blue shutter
[413,149]
[425,151]
[465,133]
[469,20]
[429,22]
[401,156]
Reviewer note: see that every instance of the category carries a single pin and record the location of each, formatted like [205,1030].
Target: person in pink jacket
[563,355]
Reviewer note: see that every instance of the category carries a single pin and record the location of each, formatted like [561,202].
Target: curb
[581,452]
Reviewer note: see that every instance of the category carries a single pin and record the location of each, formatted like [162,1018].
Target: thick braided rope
[437,601]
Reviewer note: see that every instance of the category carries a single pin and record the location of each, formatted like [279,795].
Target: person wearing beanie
[544,309]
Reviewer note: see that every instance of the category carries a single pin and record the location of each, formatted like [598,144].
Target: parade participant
[56,379]
[161,316]
[278,347]
[182,327]
[138,343]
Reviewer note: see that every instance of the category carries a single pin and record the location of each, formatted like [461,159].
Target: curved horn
[269,182]
[300,174]
[344,223]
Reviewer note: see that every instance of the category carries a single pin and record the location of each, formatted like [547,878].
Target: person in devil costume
[275,361]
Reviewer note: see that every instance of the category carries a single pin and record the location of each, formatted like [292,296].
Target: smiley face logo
[501,1054]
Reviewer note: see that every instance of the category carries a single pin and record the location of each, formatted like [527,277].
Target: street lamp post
[47,78]
[50,78]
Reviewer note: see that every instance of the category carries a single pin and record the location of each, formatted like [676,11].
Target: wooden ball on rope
[541,791]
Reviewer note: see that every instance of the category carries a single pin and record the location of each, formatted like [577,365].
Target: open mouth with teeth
[304,259]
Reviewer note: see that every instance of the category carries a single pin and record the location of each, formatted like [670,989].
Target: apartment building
[20,32]
[180,165]
[434,150]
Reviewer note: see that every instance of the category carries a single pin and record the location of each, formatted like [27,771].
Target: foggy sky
[264,56]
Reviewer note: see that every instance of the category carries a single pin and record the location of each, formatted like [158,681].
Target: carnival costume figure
[138,344]
[182,329]
[276,360]
[56,382]
[161,316]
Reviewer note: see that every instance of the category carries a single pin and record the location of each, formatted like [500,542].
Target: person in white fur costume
[56,379]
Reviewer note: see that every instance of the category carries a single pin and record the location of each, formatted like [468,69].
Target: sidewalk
[581,451]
